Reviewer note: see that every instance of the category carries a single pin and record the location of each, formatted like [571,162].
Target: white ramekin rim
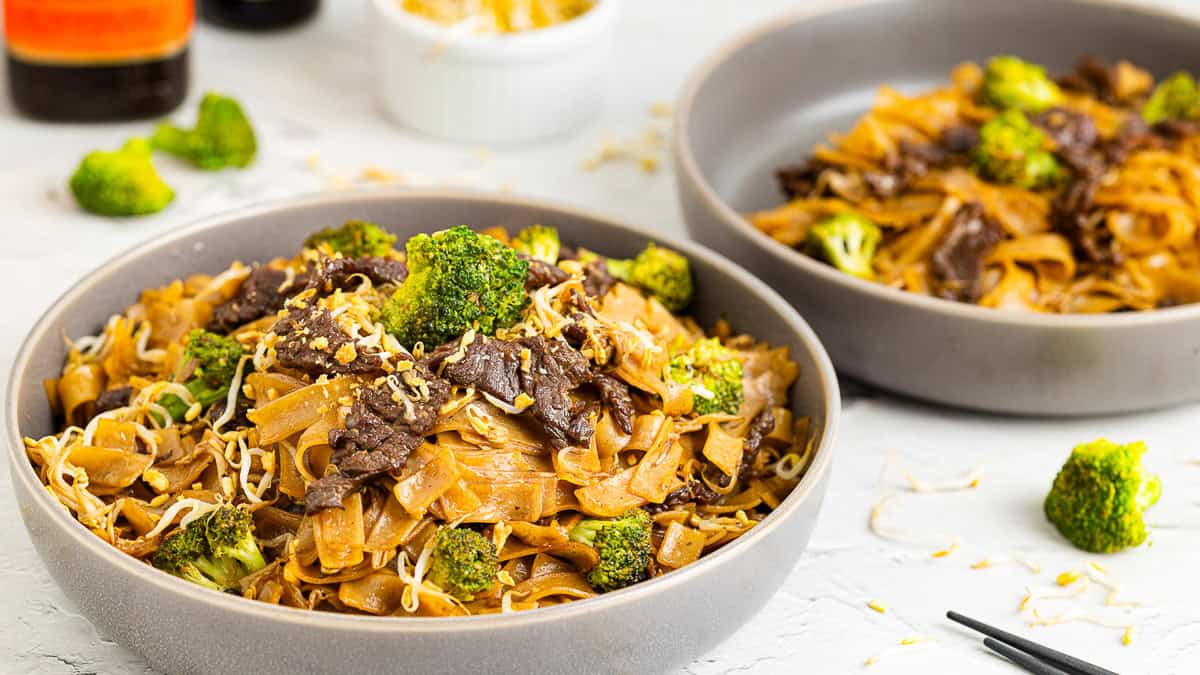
[506,47]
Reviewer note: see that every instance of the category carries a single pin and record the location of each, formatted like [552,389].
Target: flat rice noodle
[140,516]
[379,593]
[609,440]
[392,527]
[109,467]
[313,575]
[784,430]
[181,476]
[544,565]
[654,476]
[723,449]
[645,430]
[171,315]
[498,460]
[78,386]
[339,535]
[122,360]
[269,387]
[610,497]
[436,604]
[506,500]
[117,435]
[580,466]
[270,522]
[564,496]
[509,432]
[312,448]
[299,410]
[458,501]
[570,584]
[681,545]
[418,492]
[291,483]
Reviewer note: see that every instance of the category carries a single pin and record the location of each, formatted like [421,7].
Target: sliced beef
[554,370]
[800,180]
[597,281]
[760,426]
[543,274]
[111,399]
[330,274]
[1074,135]
[1120,84]
[694,491]
[960,139]
[957,262]
[312,342]
[616,398]
[261,293]
[329,492]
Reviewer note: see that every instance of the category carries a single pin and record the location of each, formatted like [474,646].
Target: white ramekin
[495,89]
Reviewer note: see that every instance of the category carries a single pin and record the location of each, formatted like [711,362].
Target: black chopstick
[1030,663]
[1064,662]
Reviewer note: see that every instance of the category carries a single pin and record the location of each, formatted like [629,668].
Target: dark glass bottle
[82,60]
[258,14]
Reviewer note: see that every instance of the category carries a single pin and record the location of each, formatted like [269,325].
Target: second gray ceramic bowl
[768,97]
[181,628]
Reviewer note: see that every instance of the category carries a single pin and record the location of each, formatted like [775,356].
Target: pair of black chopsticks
[1029,655]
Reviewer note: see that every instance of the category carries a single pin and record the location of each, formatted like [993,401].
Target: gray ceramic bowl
[181,628]
[768,97]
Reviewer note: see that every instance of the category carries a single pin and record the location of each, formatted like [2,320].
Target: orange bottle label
[96,31]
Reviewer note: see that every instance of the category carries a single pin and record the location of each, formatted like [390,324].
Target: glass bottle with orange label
[89,60]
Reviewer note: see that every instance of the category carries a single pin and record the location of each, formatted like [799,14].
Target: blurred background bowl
[181,628]
[769,96]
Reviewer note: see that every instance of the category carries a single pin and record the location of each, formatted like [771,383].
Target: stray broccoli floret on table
[355,239]
[847,241]
[659,271]
[464,562]
[121,183]
[1100,495]
[1175,98]
[538,242]
[623,545]
[714,375]
[216,550]
[222,136]
[1012,151]
[216,359]
[1009,82]
[457,279]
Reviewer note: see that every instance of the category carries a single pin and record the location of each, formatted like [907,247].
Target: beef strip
[957,262]
[800,180]
[380,434]
[543,274]
[760,426]
[1091,76]
[615,395]
[258,295]
[111,399]
[329,274]
[311,342]
[597,281]
[555,370]
[694,491]
[1074,136]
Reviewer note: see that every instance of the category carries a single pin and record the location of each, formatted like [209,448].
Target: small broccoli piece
[355,239]
[1011,151]
[624,548]
[214,551]
[464,562]
[1100,494]
[714,375]
[216,358]
[457,279]
[121,183]
[1175,98]
[538,242]
[847,241]
[661,272]
[1009,82]
[222,136]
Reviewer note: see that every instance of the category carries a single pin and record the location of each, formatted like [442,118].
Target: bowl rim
[687,169]
[492,45]
[23,472]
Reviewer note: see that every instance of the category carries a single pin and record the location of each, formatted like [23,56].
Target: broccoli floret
[222,136]
[661,272]
[214,551]
[1009,82]
[457,279]
[538,242]
[1100,494]
[464,562]
[714,375]
[1011,151]
[847,241]
[1175,98]
[121,183]
[624,548]
[216,358]
[355,239]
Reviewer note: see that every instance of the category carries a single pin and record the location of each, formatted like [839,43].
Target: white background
[310,92]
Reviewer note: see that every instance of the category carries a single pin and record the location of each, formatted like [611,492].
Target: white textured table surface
[310,93]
